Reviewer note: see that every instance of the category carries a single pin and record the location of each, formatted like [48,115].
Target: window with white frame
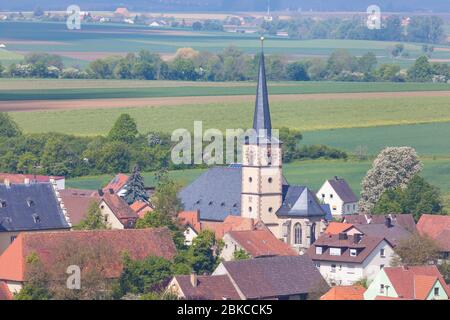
[353,252]
[381,288]
[382,255]
[436,291]
[335,251]
[333,268]
[319,250]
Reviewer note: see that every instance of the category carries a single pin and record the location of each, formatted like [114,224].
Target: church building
[256,188]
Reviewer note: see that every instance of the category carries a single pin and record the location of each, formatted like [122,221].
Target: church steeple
[261,117]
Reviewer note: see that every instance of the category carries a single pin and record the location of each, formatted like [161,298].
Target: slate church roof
[30,207]
[216,194]
[299,201]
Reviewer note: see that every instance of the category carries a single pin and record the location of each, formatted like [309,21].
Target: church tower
[262,179]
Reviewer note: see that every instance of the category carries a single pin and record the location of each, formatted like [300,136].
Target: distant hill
[232,5]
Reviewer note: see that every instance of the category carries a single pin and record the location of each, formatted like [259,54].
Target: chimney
[387,222]
[336,178]
[100,192]
[111,191]
[343,236]
[357,237]
[194,280]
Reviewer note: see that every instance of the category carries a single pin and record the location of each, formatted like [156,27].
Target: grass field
[309,173]
[305,115]
[101,40]
[19,89]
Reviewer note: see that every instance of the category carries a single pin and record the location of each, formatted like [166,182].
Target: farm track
[44,105]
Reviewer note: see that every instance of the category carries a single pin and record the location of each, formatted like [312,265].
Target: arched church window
[270,209]
[297,233]
[313,233]
[250,209]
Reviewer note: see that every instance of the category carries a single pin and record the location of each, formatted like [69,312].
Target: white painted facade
[338,207]
[189,235]
[346,273]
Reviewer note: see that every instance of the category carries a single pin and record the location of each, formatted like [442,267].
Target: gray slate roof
[343,190]
[393,234]
[274,276]
[299,201]
[216,194]
[30,207]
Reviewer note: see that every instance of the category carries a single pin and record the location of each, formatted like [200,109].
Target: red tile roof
[414,282]
[231,223]
[344,293]
[191,218]
[138,243]
[19,178]
[141,208]
[338,227]
[364,247]
[5,294]
[208,288]
[119,207]
[436,227]
[77,203]
[260,243]
[117,183]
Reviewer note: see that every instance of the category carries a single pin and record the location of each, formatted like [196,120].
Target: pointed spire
[261,118]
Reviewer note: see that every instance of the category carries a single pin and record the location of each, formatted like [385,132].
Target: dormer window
[353,253]
[335,251]
[30,203]
[210,203]
[36,218]
[2,203]
[319,250]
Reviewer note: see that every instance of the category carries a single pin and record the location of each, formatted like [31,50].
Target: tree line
[118,151]
[423,29]
[232,64]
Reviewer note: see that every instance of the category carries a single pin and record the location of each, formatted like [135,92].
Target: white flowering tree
[393,167]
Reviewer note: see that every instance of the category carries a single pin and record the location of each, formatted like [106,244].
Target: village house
[355,292]
[29,207]
[257,189]
[393,233]
[138,243]
[337,193]
[436,227]
[193,225]
[118,184]
[141,208]
[256,243]
[344,259]
[116,212]
[408,283]
[275,278]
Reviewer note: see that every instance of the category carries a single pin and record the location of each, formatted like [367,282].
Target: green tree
[94,219]
[124,129]
[367,62]
[415,250]
[143,276]
[27,163]
[167,206]
[417,198]
[241,255]
[203,253]
[421,70]
[115,156]
[8,127]
[36,286]
[297,71]
[135,189]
